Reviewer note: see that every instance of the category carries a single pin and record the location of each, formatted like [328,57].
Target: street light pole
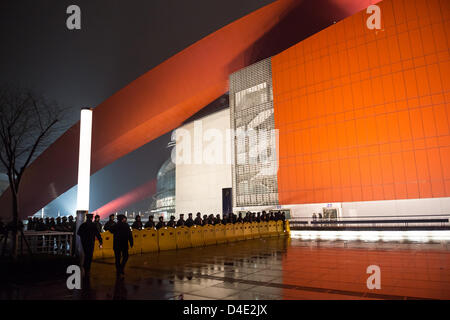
[84,172]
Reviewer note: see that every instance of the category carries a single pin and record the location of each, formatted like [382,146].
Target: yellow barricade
[221,236]
[273,229]
[255,230]
[288,228]
[149,240]
[239,231]
[197,236]
[248,230]
[280,228]
[107,250]
[209,235]
[137,242]
[183,237]
[259,227]
[98,253]
[230,232]
[167,239]
[264,229]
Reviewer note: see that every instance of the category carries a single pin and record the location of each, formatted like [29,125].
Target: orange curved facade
[365,114]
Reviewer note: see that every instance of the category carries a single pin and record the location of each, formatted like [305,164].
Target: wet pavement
[270,268]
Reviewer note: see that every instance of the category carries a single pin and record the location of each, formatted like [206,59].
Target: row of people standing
[62,224]
[202,221]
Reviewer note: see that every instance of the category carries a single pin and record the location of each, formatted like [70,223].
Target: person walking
[122,235]
[88,232]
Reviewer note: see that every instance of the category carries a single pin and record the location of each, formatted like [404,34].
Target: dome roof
[166,177]
[167,167]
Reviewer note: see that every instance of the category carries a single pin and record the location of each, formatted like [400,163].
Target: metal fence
[45,242]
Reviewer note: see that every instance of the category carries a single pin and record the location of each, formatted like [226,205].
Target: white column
[84,160]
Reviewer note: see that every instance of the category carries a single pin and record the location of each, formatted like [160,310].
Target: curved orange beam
[163,98]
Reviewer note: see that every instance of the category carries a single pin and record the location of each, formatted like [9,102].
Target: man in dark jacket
[30,224]
[181,221]
[110,223]
[271,217]
[161,223]
[64,224]
[88,232]
[171,222]
[72,224]
[122,236]
[150,223]
[40,226]
[198,220]
[58,226]
[137,224]
[189,222]
[98,224]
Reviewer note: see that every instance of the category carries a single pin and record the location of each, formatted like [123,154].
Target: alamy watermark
[374,280]
[74,279]
[374,20]
[73,21]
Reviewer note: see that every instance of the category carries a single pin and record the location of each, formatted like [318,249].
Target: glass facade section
[252,119]
[164,199]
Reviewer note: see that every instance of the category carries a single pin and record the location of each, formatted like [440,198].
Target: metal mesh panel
[252,118]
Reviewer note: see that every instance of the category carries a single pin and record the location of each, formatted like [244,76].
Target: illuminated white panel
[84,162]
[381,208]
[199,186]
[413,236]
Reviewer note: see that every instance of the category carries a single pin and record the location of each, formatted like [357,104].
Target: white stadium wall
[206,169]
[382,208]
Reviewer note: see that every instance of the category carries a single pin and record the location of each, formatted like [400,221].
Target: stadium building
[356,124]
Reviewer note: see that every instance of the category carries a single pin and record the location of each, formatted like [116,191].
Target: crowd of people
[62,224]
[198,220]
[68,224]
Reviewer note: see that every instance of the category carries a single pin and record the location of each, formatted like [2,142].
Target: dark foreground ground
[274,268]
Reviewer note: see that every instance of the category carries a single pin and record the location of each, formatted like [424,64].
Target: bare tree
[28,124]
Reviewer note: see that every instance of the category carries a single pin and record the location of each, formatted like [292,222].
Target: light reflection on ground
[274,268]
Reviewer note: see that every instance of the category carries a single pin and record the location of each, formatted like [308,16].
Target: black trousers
[88,253]
[121,255]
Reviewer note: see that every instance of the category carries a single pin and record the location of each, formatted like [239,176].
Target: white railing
[45,242]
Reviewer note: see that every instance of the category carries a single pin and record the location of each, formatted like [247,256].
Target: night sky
[118,42]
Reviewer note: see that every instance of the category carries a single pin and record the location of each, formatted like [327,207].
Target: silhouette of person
[88,232]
